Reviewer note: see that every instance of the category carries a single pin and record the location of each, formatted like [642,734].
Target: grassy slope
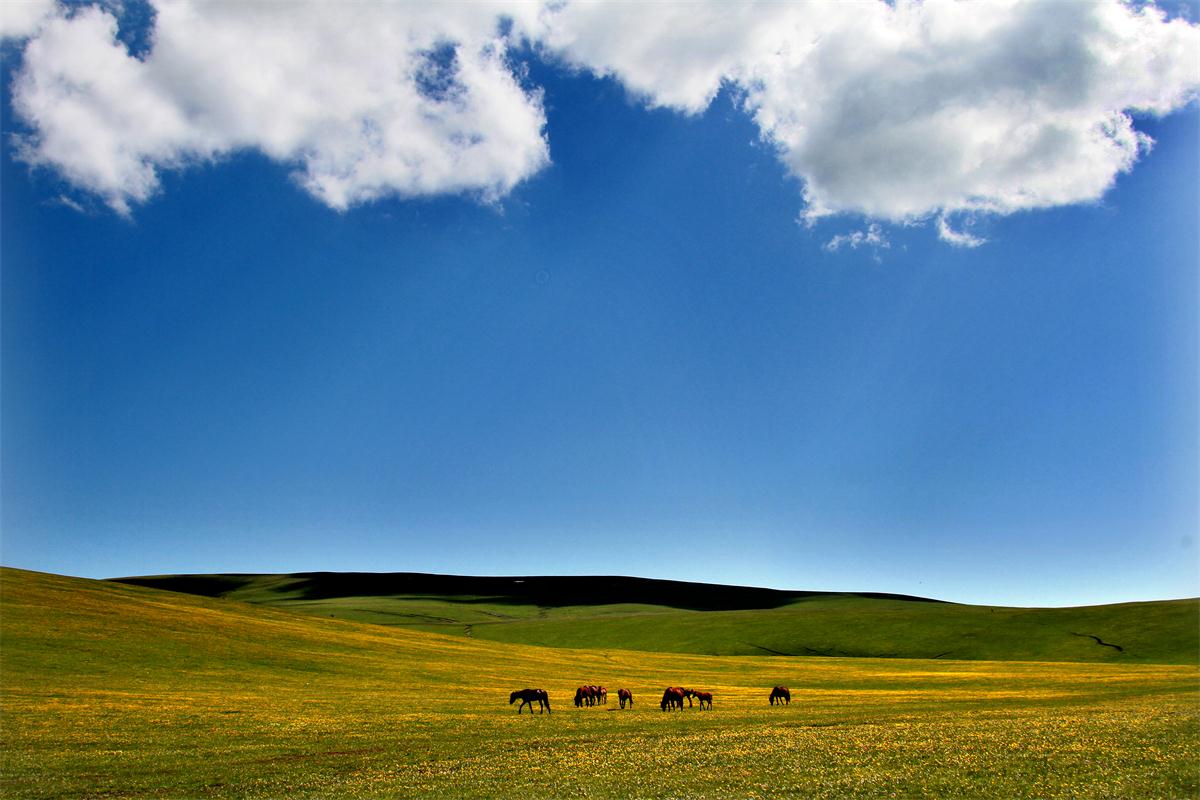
[111,690]
[1165,632]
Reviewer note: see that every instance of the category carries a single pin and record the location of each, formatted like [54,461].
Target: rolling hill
[111,690]
[708,619]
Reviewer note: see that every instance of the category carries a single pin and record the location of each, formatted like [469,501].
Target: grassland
[118,691]
[716,620]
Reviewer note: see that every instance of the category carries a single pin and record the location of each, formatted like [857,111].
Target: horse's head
[512,698]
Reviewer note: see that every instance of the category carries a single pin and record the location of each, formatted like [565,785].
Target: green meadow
[112,690]
[835,625]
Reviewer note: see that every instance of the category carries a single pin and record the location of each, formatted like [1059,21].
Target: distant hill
[540,590]
[680,617]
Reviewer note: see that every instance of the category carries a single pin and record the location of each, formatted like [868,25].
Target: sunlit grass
[116,691]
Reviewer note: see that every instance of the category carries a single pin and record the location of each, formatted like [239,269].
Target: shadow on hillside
[547,591]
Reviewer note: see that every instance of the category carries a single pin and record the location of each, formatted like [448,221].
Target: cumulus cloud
[386,100]
[22,18]
[947,107]
[670,54]
[905,111]
[900,111]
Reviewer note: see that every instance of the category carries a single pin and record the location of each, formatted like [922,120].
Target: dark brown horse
[689,694]
[623,695]
[703,697]
[672,698]
[528,696]
[781,694]
[585,696]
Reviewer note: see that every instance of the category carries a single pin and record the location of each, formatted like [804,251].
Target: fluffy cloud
[947,107]
[898,112]
[670,54]
[22,18]
[400,100]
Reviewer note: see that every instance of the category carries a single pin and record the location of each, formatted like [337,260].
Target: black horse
[781,694]
[528,696]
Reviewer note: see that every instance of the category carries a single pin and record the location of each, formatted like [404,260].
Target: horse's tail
[546,699]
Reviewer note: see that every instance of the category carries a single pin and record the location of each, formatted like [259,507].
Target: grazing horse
[781,694]
[528,696]
[704,697]
[585,696]
[602,695]
[672,698]
[689,694]
[623,695]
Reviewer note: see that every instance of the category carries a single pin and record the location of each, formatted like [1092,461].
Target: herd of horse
[591,695]
[673,697]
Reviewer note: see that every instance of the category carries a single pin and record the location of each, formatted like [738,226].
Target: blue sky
[654,346]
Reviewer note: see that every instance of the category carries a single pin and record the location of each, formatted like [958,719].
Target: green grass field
[117,691]
[1166,632]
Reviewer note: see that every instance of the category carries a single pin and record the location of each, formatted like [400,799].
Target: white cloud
[365,100]
[945,107]
[902,111]
[956,238]
[22,18]
[896,112]
[670,54]
[873,237]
